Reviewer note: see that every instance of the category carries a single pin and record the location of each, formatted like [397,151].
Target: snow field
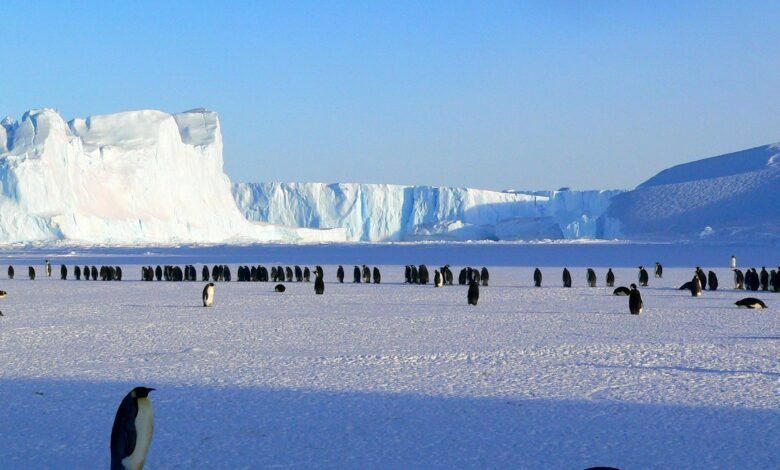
[392,375]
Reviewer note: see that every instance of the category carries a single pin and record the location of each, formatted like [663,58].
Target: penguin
[635,305]
[47,268]
[3,294]
[318,269]
[288,273]
[86,273]
[659,270]
[319,284]
[438,280]
[739,279]
[448,276]
[94,273]
[702,277]
[566,278]
[473,293]
[340,274]
[712,280]
[118,272]
[537,278]
[298,273]
[591,277]
[356,275]
[377,275]
[687,286]
[644,278]
[31,273]
[610,278]
[764,278]
[208,295]
[63,272]
[77,272]
[158,273]
[415,275]
[279,288]
[776,283]
[462,276]
[366,275]
[475,276]
[733,262]
[226,273]
[103,273]
[485,276]
[306,274]
[204,274]
[754,280]
[696,286]
[10,272]
[132,432]
[622,290]
[750,302]
[407,274]
[424,277]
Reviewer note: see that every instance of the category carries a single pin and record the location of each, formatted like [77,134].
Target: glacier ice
[137,177]
[385,212]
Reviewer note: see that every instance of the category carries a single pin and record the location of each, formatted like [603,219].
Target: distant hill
[729,197]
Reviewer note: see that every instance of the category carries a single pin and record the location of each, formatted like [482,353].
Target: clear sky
[523,95]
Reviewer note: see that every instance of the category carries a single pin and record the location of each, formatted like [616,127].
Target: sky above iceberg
[489,95]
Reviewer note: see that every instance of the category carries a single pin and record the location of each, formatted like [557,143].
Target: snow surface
[729,197]
[137,177]
[386,212]
[393,375]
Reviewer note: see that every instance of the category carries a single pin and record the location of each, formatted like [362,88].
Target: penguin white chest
[144,426]
[208,296]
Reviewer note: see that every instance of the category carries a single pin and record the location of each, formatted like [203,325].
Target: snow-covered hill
[384,212]
[732,196]
[138,177]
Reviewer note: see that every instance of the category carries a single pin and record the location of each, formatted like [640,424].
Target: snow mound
[385,212]
[727,197]
[136,177]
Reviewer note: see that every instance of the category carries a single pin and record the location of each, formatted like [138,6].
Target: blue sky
[525,95]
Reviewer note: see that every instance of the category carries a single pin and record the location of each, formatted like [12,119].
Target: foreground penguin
[438,279]
[131,435]
[635,305]
[473,294]
[208,295]
[319,284]
[696,286]
[750,302]
[622,290]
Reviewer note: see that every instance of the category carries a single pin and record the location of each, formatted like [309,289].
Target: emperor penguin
[340,274]
[696,286]
[204,273]
[77,272]
[750,302]
[131,435]
[591,277]
[319,284]
[377,275]
[63,272]
[712,280]
[438,280]
[644,278]
[47,268]
[208,295]
[366,274]
[485,276]
[566,278]
[739,279]
[764,278]
[635,305]
[473,294]
[702,277]
[31,273]
[659,270]
[537,278]
[356,275]
[610,278]
[307,274]
[10,272]
[622,290]
[733,262]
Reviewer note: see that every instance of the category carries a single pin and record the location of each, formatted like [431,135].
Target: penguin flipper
[123,434]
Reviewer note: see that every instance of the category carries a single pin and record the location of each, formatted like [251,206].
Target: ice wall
[138,177]
[383,212]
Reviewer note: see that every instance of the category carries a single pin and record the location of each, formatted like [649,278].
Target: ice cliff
[731,197]
[384,212]
[138,177]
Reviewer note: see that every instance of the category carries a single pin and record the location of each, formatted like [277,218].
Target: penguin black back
[473,293]
[31,273]
[566,278]
[340,274]
[635,305]
[644,278]
[610,278]
[750,302]
[319,284]
[131,433]
[485,276]
[377,275]
[712,280]
[591,277]
[63,272]
[537,278]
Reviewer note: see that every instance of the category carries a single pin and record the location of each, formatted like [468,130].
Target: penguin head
[633,286]
[141,392]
